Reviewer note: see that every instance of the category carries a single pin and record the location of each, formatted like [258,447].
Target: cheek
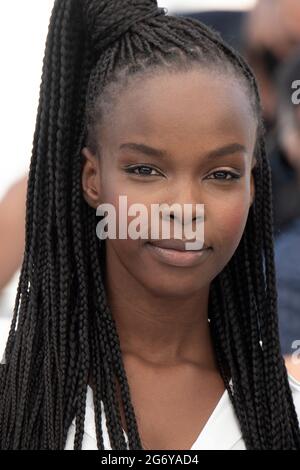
[122,196]
[122,200]
[114,186]
[229,225]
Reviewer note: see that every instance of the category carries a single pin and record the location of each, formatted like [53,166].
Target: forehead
[182,107]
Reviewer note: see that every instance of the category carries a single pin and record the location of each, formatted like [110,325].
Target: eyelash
[131,170]
[233,176]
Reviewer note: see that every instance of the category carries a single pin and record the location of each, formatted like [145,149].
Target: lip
[178,257]
[174,244]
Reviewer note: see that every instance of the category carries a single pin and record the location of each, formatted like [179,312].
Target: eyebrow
[158,153]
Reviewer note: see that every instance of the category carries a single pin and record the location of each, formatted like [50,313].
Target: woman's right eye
[143,170]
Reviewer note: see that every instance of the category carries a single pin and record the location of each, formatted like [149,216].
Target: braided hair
[62,330]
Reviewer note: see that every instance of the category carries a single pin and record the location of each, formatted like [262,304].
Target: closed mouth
[178,245]
[176,255]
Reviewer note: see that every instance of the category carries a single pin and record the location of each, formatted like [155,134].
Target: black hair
[62,330]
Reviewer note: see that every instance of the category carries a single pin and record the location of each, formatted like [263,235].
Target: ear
[91,183]
[252,182]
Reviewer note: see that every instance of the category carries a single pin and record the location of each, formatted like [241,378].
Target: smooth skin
[12,230]
[204,125]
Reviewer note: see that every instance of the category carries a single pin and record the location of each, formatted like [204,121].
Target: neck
[159,330]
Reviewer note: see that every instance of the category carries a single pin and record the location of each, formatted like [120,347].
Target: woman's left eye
[221,173]
[143,170]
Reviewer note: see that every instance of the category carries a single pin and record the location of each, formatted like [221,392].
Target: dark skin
[164,333]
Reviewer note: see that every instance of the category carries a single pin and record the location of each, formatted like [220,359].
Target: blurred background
[266,32]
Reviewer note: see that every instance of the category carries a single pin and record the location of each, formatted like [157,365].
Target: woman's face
[203,131]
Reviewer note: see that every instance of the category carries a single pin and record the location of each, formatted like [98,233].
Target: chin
[173,285]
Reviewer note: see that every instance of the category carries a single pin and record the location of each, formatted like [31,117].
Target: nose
[186,198]
[187,219]
[185,211]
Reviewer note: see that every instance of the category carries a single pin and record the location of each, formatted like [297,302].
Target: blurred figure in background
[271,40]
[12,230]
[271,33]
[287,259]
[284,151]
[286,177]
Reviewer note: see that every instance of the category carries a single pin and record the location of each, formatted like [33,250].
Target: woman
[159,109]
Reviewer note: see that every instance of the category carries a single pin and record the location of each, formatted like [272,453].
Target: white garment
[221,431]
